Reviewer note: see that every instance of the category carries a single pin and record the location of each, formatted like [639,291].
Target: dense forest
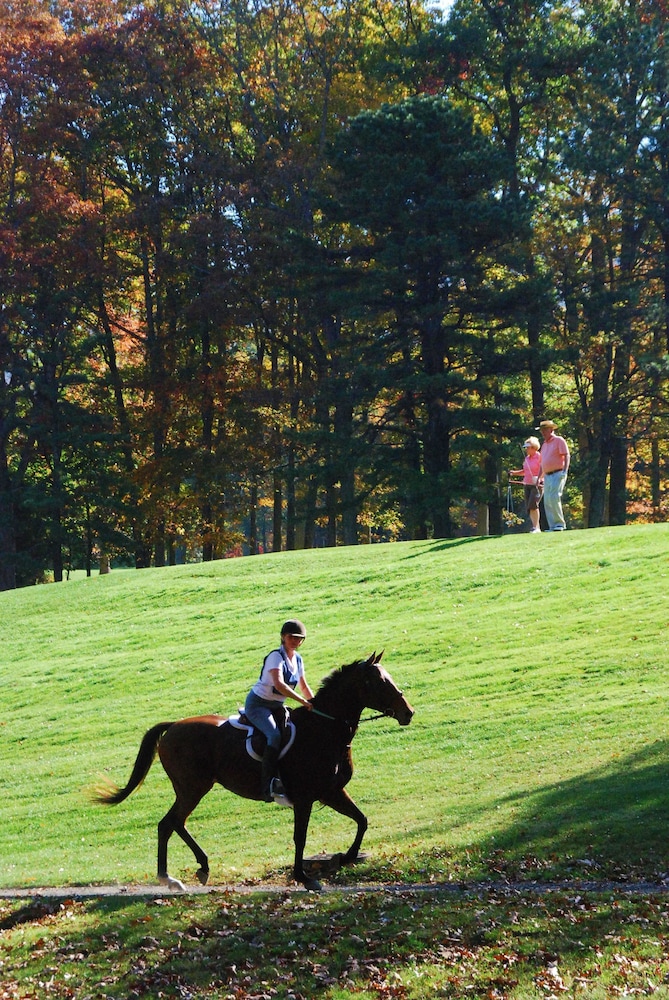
[283,273]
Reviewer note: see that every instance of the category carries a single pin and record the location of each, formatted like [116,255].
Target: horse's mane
[332,680]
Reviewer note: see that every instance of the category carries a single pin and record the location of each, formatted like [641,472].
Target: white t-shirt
[292,671]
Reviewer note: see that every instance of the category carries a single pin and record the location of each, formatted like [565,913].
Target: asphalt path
[503,887]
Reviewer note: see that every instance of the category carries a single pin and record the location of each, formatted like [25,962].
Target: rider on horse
[282,672]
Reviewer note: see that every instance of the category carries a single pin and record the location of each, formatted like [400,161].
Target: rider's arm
[305,689]
[284,689]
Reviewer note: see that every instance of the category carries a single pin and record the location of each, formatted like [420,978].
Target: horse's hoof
[202,875]
[173,884]
[311,884]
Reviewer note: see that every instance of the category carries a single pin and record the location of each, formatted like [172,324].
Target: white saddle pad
[237,723]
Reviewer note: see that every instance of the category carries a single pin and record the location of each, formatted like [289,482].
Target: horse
[199,752]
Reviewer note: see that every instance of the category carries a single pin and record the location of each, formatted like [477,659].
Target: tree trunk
[347,468]
[141,550]
[277,513]
[206,518]
[7,527]
[622,362]
[411,498]
[436,442]
[618,480]
[159,545]
[331,504]
[253,520]
[600,432]
[535,364]
[207,442]
[291,475]
[310,513]
[595,404]
[494,499]
[277,492]
[56,474]
[291,506]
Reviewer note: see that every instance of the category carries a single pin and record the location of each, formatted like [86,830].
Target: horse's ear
[374,659]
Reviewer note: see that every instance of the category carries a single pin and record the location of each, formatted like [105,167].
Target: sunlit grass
[537,665]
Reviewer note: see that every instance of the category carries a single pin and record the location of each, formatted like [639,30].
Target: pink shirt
[553,451]
[531,467]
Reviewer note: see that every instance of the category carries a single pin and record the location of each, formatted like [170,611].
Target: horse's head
[380,692]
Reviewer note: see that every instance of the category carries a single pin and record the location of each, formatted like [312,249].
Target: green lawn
[538,669]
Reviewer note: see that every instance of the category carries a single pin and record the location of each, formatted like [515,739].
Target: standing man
[554,468]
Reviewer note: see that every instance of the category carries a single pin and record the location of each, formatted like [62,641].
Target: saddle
[256,741]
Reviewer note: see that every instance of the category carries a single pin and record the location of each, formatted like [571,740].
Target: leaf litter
[410,943]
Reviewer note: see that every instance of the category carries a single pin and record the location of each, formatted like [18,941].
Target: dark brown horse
[197,753]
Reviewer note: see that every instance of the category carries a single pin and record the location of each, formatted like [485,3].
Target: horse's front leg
[302,815]
[342,803]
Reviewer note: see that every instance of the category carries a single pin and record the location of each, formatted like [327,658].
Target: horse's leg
[302,815]
[342,803]
[174,822]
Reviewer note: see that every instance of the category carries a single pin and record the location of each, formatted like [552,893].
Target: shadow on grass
[32,912]
[610,821]
[305,946]
[450,543]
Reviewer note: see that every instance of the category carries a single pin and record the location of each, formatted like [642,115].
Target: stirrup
[279,793]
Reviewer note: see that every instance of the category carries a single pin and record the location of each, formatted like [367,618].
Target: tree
[298,70]
[428,187]
[47,237]
[604,195]
[510,64]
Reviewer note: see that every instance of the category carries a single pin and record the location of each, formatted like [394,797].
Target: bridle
[370,718]
[385,714]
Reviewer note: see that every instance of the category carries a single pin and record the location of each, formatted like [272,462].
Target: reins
[381,715]
[371,718]
[323,715]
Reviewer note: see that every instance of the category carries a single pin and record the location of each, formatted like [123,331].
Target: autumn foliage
[283,274]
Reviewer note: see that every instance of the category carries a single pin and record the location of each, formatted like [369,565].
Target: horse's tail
[111,794]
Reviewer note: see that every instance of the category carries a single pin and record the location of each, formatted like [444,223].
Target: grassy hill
[538,668]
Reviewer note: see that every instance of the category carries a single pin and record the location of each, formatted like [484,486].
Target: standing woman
[282,673]
[530,473]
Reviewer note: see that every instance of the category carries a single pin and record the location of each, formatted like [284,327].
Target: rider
[282,672]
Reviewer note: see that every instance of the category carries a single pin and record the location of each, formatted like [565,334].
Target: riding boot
[270,760]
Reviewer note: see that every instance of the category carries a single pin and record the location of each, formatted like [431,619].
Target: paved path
[464,888]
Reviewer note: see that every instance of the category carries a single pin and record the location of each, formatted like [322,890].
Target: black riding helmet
[294,627]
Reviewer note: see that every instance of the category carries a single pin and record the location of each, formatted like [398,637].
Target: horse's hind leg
[174,822]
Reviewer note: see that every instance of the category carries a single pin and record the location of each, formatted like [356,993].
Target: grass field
[538,669]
